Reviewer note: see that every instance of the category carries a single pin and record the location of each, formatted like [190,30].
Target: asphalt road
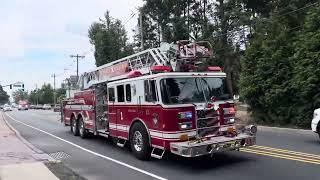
[279,154]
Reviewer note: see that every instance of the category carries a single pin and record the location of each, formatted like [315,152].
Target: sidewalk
[19,159]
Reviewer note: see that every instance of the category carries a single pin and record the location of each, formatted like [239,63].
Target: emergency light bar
[160,68]
[214,68]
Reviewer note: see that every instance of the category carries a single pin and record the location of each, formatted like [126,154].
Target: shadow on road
[313,141]
[171,161]
[204,163]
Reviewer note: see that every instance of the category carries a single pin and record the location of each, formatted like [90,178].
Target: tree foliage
[45,95]
[4,98]
[109,38]
[19,95]
[279,75]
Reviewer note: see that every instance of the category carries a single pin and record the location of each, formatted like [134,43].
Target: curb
[24,141]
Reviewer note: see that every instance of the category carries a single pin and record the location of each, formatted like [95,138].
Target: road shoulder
[18,155]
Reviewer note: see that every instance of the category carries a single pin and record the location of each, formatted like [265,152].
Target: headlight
[315,114]
[252,129]
[229,121]
[185,125]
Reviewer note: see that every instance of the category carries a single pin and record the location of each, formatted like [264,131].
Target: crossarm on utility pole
[77,56]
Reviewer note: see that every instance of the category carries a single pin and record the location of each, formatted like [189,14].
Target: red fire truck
[159,101]
[23,105]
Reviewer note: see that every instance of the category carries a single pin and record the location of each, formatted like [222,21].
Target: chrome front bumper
[213,145]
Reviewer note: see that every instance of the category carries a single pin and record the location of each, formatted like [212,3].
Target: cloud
[37,33]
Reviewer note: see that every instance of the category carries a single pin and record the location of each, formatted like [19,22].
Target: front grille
[207,122]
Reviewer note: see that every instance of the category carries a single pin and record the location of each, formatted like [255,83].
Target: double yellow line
[284,154]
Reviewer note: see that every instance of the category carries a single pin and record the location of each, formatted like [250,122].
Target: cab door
[112,112]
[121,110]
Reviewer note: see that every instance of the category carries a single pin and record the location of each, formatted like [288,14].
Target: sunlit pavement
[279,154]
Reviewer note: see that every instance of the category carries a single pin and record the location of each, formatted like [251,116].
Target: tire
[318,129]
[139,142]
[74,126]
[82,130]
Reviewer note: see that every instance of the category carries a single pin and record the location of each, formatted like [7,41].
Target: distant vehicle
[57,108]
[23,105]
[315,123]
[7,108]
[46,107]
[39,106]
[32,106]
[1,106]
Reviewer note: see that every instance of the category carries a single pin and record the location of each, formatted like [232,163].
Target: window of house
[128,93]
[120,93]
[111,94]
[150,90]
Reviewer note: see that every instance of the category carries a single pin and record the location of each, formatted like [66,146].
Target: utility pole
[37,99]
[54,88]
[77,56]
[141,29]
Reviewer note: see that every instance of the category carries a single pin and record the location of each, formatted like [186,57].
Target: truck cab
[190,113]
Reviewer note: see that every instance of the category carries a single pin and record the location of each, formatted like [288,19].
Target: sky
[37,37]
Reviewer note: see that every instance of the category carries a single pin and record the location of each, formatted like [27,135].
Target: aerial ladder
[183,56]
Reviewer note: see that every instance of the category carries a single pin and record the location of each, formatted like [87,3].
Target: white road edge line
[89,151]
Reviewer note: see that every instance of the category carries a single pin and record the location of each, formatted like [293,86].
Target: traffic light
[22,87]
[10,86]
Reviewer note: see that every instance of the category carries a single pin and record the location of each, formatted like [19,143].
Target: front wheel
[74,127]
[318,129]
[139,142]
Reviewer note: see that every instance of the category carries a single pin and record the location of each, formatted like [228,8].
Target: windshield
[193,90]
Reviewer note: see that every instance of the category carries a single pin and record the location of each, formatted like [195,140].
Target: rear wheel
[74,126]
[139,142]
[82,130]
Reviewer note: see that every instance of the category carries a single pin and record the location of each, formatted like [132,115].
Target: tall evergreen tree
[306,72]
[274,80]
[109,39]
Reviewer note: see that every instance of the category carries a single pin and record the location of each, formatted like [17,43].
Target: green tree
[306,72]
[109,39]
[33,97]
[4,98]
[20,95]
[60,94]
[45,94]
[279,75]
[223,22]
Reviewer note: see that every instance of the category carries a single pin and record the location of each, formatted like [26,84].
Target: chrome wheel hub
[81,128]
[137,141]
[74,125]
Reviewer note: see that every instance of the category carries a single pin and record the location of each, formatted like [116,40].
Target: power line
[131,16]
